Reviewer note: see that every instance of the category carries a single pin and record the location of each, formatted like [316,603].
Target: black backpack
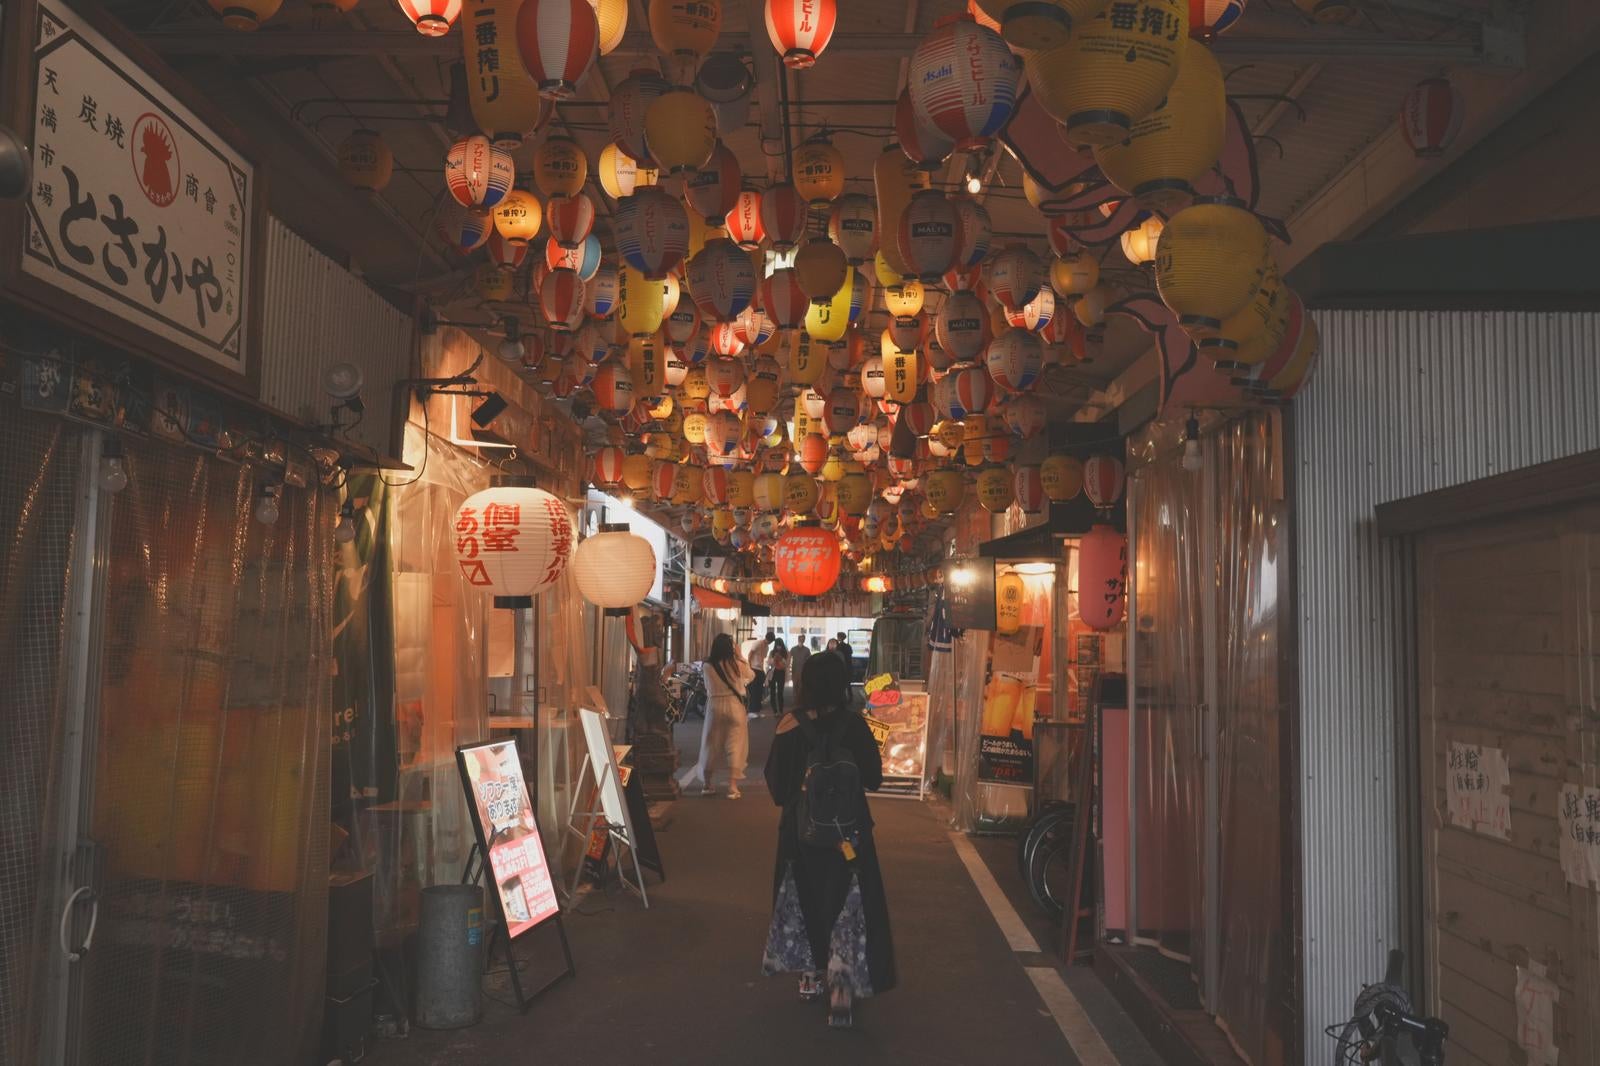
[832,806]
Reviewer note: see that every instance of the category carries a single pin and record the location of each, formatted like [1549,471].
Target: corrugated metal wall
[1403,403]
[316,314]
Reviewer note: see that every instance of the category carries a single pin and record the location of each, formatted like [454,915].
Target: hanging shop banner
[1005,739]
[502,816]
[143,224]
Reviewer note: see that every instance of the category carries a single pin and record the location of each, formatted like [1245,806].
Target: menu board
[502,815]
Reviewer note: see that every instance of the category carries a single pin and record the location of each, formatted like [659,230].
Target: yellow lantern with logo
[365,161]
[621,175]
[688,484]
[996,489]
[559,167]
[1210,263]
[834,470]
[721,523]
[949,434]
[1249,336]
[854,494]
[807,359]
[945,490]
[800,493]
[1010,595]
[492,283]
[1062,476]
[641,303]
[1172,147]
[695,385]
[1074,275]
[636,470]
[741,488]
[504,99]
[769,491]
[900,375]
[681,130]
[685,30]
[904,300]
[974,431]
[1112,70]
[518,216]
[894,179]
[694,427]
[819,172]
[827,321]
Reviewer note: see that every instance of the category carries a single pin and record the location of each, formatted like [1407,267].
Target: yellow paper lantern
[901,374]
[827,321]
[505,100]
[800,493]
[694,427]
[517,218]
[695,385]
[948,433]
[904,300]
[685,30]
[819,172]
[613,18]
[1111,72]
[365,161]
[636,470]
[1210,263]
[834,469]
[1010,594]
[641,303]
[721,523]
[1139,242]
[894,179]
[1173,146]
[996,489]
[492,283]
[559,167]
[1074,275]
[945,490]
[1090,310]
[647,360]
[807,359]
[681,129]
[688,484]
[769,491]
[620,174]
[741,488]
[1062,476]
[854,494]
[974,430]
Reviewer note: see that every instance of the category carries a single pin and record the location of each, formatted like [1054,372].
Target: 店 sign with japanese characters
[140,210]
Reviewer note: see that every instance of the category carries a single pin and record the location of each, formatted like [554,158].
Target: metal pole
[1211,726]
[1131,663]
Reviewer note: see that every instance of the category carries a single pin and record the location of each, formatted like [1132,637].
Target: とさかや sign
[143,222]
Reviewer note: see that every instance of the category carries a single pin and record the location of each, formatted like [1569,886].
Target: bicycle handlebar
[1427,1034]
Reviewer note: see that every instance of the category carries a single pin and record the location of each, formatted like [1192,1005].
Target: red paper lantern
[613,387]
[432,18]
[1431,116]
[807,560]
[608,466]
[814,453]
[783,216]
[918,417]
[743,220]
[570,218]
[1029,487]
[783,300]
[561,300]
[1102,576]
[801,29]
[512,541]
[558,41]
[842,411]
[1102,480]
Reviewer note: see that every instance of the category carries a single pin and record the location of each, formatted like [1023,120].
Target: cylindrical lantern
[681,130]
[641,303]
[1028,485]
[652,232]
[365,161]
[513,542]
[477,173]
[1210,263]
[614,568]
[722,280]
[783,216]
[1014,359]
[806,360]
[1431,116]
[712,189]
[806,559]
[570,219]
[818,165]
[517,218]
[432,18]
[505,100]
[894,179]
[1102,481]
[559,42]
[1062,477]
[929,234]
[800,29]
[827,322]
[963,80]
[647,363]
[630,102]
[1102,576]
[1172,147]
[901,373]
[1015,277]
[743,220]
[853,226]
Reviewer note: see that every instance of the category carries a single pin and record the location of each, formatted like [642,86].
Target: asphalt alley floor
[681,982]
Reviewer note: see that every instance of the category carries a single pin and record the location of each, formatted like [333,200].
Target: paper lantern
[923,143]
[743,220]
[722,280]
[1102,481]
[872,382]
[681,130]
[725,376]
[1029,25]
[842,410]
[1014,360]
[432,18]
[751,327]
[894,179]
[723,430]
[1090,310]
[1254,333]
[820,269]
[945,490]
[853,226]
[636,470]
[827,322]
[800,494]
[365,161]
[929,234]
[1207,18]
[806,360]
[506,257]
[561,300]
[517,218]
[512,542]
[1036,314]
[807,559]
[769,491]
[683,324]
[1176,144]
[783,299]
[800,29]
[621,175]
[505,101]
[1015,277]
[918,416]
[818,166]
[963,81]
[614,568]
[1028,486]
[685,30]
[559,42]
[652,232]
[1062,477]
[629,104]
[902,374]
[959,326]
[570,219]
[712,189]
[1102,577]
[974,232]
[1113,70]
[647,363]
[607,468]
[1431,117]
[1074,275]
[1210,263]
[854,494]
[559,167]
[641,303]
[477,173]
[783,216]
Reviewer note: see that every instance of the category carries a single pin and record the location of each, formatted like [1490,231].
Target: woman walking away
[829,912]
[728,678]
[777,674]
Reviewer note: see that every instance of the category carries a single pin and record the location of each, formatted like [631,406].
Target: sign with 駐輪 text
[138,208]
[1478,787]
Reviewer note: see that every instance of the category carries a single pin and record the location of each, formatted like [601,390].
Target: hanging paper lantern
[818,168]
[492,282]
[827,322]
[853,493]
[725,376]
[652,232]
[1036,314]
[1102,576]
[695,425]
[743,220]
[1252,335]
[1028,486]
[1074,275]
[902,373]
[477,173]
[842,410]
[963,80]
[974,433]
[559,167]
[512,542]
[783,216]
[806,360]
[647,364]
[614,568]
[929,234]
[960,326]
[723,339]
[1026,416]
[1207,18]
[995,490]
[558,41]
[971,390]
[872,382]
[517,218]
[683,324]
[685,30]
[945,490]
[1210,263]
[800,29]
[1062,477]
[1111,72]
[630,102]
[621,175]
[636,470]
[723,431]
[561,300]
[722,280]
[783,299]
[918,417]
[712,189]
[1176,144]
[608,466]
[600,293]
[506,258]
[923,143]
[800,494]
[806,560]
[681,130]
[894,180]
[505,101]
[570,219]
[1431,116]
[641,303]
[751,327]
[1102,480]
[1090,310]
[1030,25]
[664,480]
[853,226]
[974,231]
[820,268]
[432,18]
[714,485]
[1014,359]
[767,491]
[1015,277]
[365,161]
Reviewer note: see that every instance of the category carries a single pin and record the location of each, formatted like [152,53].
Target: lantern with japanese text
[712,189]
[1172,147]
[432,18]
[743,220]
[641,303]
[477,173]
[613,387]
[647,362]
[652,232]
[800,29]
[1036,314]
[685,30]
[768,491]
[995,490]
[807,560]
[1031,25]
[517,218]
[929,234]
[827,322]
[1102,481]
[806,359]
[723,431]
[630,102]
[680,130]
[724,375]
[722,280]
[1431,116]
[842,410]
[783,216]
[683,324]
[1210,263]
[853,226]
[945,490]
[854,494]
[504,98]
[963,81]
[974,231]
[1028,485]
[800,493]
[561,300]
[1014,359]
[1015,277]
[1062,477]
[559,41]
[960,326]
[924,144]
[818,170]
[902,373]
[570,219]
[365,161]
[1102,576]
[513,542]
[559,167]
[894,179]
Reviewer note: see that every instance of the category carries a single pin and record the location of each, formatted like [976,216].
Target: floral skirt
[789,947]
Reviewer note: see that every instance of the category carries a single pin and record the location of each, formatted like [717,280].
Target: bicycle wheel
[1028,839]
[1050,868]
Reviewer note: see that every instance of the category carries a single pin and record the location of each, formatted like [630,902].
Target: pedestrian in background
[728,679]
[755,653]
[797,663]
[777,674]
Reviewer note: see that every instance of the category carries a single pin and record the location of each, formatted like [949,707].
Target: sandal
[810,987]
[734,793]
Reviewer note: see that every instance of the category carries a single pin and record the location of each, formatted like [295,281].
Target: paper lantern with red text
[652,232]
[1102,480]
[800,29]
[558,41]
[1028,485]
[1431,116]
[743,220]
[1102,576]
[807,560]
[722,280]
[1014,359]
[512,542]
[477,173]
[963,81]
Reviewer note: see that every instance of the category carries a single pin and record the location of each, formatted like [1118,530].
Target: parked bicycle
[1044,857]
[686,692]
[1383,1029]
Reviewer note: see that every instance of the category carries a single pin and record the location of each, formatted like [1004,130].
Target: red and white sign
[510,834]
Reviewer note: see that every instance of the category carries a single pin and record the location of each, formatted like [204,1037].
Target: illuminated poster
[503,817]
[1011,696]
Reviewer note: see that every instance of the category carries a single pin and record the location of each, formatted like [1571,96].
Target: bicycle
[1383,1029]
[1044,857]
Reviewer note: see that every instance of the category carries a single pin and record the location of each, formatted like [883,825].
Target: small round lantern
[819,171]
[365,161]
[432,18]
[518,217]
[614,568]
[1061,477]
[477,173]
[1431,116]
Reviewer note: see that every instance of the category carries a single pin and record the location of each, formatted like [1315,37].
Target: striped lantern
[1102,481]
[714,485]
[600,292]
[1026,416]
[743,220]
[505,100]
[724,375]
[818,170]
[1014,359]
[820,268]
[613,387]
[432,18]
[559,167]
[752,327]
[723,431]
[626,111]
[664,480]
[607,468]
[971,390]
[366,161]
[929,234]
[683,323]
[570,219]
[1210,263]
[974,230]
[652,232]
[1102,577]
[681,130]
[590,344]
[1015,277]
[1431,116]
[723,339]
[722,280]
[505,255]
[906,333]
[918,416]
[698,348]
[800,29]
[561,300]
[585,258]
[1036,314]
[559,41]
[963,81]
[960,326]
[783,216]
[853,226]
[477,173]
[1028,486]
[783,299]
[923,143]
[1207,18]
[712,189]
[1172,147]
[842,411]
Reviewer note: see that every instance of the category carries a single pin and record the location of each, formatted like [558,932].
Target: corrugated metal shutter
[316,314]
[1403,403]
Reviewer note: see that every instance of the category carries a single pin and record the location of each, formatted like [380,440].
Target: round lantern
[620,174]
[506,258]
[800,494]
[872,382]
[685,30]
[818,169]
[854,494]
[959,326]
[969,391]
[1074,275]
[724,375]
[517,218]
[1139,242]
[630,102]
[944,490]
[743,220]
[806,559]
[1062,477]
[974,231]
[512,541]
[1172,147]
[768,491]
[559,167]
[924,144]
[1102,576]
[1026,416]
[365,161]
[636,471]
[723,431]
[712,189]
[1210,263]
[1036,314]
[614,568]
[683,324]
[1015,277]
[813,453]
[827,322]
[432,18]
[1029,25]
[613,387]
[641,303]
[1112,71]
[801,29]
[995,490]
[783,216]
[1028,486]
[783,299]
[561,300]
[1250,336]
[853,226]
[1090,310]
[722,280]
[608,466]
[1207,18]
[894,179]
[1014,359]
[477,173]
[820,269]
[1102,481]
[652,232]
[681,130]
[842,410]
[929,234]
[570,219]
[963,80]
[918,416]
[600,292]
[558,41]
[1431,116]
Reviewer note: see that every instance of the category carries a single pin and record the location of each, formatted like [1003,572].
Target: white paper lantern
[513,541]
[615,568]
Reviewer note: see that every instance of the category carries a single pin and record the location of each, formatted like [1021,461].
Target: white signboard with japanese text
[1478,787]
[138,207]
[1578,818]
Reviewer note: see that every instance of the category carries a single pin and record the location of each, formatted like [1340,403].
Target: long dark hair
[722,653]
[825,683]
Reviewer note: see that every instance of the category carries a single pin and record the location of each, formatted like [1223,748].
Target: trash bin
[450,946]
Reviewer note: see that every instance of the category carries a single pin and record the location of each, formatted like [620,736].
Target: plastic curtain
[210,805]
[561,628]
[941,682]
[971,655]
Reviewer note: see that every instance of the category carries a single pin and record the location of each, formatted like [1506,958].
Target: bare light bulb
[1192,459]
[345,530]
[974,184]
[113,473]
[267,507]
[510,350]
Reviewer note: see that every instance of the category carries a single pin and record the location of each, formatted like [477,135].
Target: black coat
[821,875]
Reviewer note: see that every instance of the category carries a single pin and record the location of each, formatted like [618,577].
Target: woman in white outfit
[728,679]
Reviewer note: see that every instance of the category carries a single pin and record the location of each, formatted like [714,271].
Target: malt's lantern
[512,542]
[853,226]
[959,326]
[613,387]
[929,234]
[894,179]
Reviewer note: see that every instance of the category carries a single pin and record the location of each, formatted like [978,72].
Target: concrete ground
[681,983]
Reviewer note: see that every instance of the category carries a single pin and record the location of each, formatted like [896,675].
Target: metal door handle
[66,923]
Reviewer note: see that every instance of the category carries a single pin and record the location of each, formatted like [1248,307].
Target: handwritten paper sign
[1578,816]
[1536,1025]
[1478,787]
[138,208]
